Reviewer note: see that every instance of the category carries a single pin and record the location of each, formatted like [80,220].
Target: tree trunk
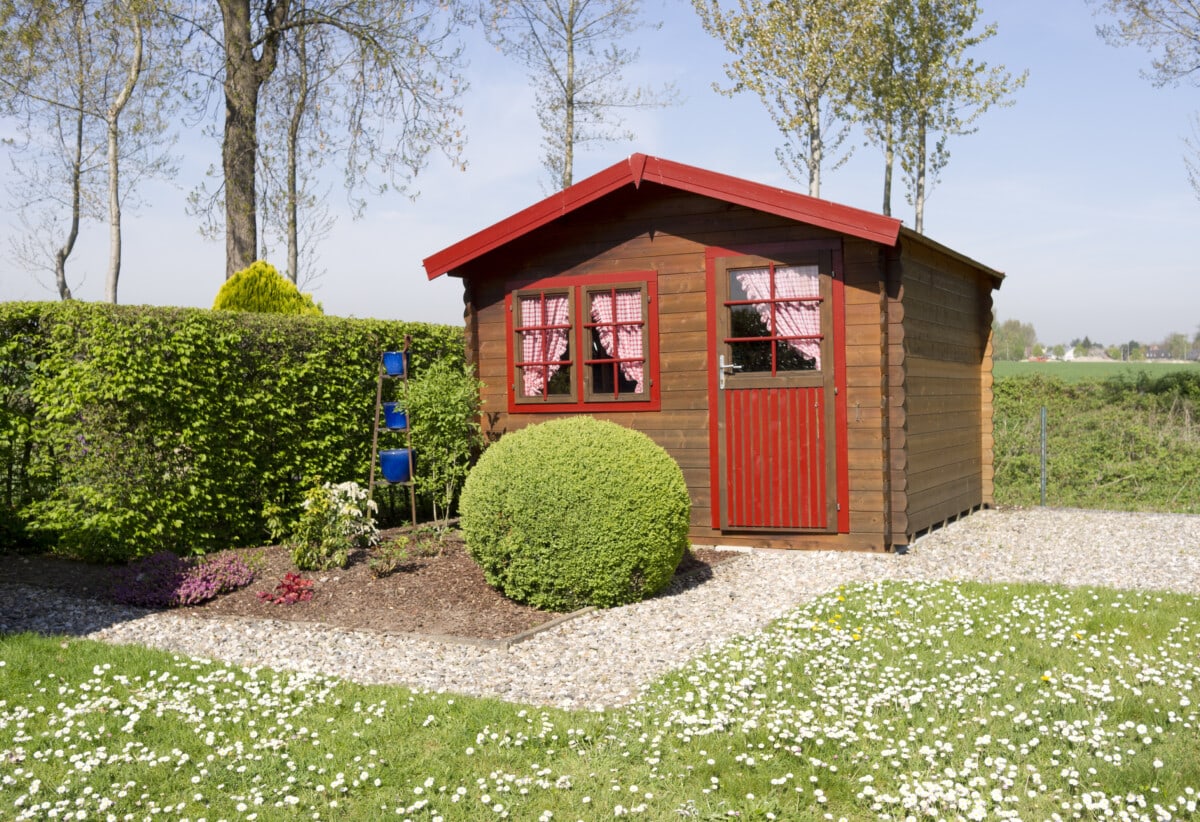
[64,251]
[889,162]
[816,147]
[922,161]
[293,219]
[114,170]
[244,77]
[114,213]
[568,172]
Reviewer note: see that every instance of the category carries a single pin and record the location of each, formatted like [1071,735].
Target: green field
[1083,371]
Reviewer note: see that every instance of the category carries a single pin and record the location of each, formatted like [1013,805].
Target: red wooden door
[773,351]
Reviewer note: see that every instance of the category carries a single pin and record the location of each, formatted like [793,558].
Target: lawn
[1089,371]
[881,701]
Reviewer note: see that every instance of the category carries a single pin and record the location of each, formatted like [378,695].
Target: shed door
[774,351]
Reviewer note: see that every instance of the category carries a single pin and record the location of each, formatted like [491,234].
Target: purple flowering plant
[166,580]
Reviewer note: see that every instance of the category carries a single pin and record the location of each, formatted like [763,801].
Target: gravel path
[606,657]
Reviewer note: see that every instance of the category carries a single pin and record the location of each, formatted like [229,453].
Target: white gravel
[606,658]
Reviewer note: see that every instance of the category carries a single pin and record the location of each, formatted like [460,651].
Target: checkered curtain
[627,343]
[792,319]
[544,342]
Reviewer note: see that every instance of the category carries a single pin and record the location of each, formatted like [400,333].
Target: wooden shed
[821,374]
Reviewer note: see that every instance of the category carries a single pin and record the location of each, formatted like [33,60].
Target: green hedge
[1118,444]
[125,430]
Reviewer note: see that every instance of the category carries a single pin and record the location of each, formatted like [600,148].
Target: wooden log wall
[946,316]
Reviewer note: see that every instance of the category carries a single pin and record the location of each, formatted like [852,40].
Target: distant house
[822,375]
[1157,352]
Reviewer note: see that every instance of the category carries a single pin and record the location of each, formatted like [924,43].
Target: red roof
[639,167]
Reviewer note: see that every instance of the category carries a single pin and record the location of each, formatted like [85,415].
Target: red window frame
[582,397]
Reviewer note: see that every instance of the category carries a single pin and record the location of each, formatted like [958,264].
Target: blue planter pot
[396,464]
[395,363]
[395,418]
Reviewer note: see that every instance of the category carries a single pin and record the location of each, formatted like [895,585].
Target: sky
[1077,192]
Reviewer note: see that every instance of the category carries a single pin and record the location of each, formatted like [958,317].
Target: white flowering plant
[335,519]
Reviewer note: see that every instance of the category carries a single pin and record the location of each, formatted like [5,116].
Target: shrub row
[1118,444]
[126,430]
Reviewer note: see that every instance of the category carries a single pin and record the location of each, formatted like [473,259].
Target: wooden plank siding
[946,310]
[861,265]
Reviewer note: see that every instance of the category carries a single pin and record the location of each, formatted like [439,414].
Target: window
[543,329]
[584,342]
[775,318]
[617,330]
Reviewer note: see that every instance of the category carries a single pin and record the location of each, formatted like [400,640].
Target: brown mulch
[440,595]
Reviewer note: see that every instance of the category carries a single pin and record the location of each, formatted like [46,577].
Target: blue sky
[1077,192]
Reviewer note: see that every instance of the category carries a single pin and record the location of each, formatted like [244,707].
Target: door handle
[724,367]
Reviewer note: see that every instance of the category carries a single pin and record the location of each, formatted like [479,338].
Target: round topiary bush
[576,512]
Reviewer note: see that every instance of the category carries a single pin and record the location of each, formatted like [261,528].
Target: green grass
[1086,371]
[879,701]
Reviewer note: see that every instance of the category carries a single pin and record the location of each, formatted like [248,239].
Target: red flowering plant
[292,588]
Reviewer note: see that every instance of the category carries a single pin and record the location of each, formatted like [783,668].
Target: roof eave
[634,171]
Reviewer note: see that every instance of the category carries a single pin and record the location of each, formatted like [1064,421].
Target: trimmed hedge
[576,512]
[126,430]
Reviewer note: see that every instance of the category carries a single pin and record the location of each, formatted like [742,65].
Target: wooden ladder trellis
[394,365]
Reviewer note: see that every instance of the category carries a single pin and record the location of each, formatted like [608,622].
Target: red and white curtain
[626,343]
[546,321]
[794,316]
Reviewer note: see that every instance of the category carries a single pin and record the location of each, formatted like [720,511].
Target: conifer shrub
[262,289]
[576,512]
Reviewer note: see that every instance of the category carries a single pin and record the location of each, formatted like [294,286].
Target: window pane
[749,284]
[789,358]
[753,357]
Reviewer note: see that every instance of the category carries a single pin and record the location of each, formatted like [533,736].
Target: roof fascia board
[640,167]
[526,220]
[777,201]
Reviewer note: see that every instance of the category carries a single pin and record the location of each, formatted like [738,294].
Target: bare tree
[1170,31]
[576,64]
[294,206]
[54,171]
[1191,159]
[797,58]
[395,92]
[70,70]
